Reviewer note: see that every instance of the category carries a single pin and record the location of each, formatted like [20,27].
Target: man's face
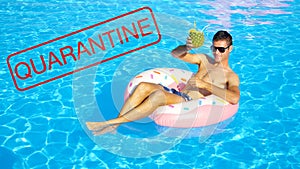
[218,47]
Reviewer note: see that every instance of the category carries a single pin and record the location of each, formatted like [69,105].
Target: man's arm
[182,53]
[231,94]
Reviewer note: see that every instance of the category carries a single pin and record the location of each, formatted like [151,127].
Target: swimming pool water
[41,127]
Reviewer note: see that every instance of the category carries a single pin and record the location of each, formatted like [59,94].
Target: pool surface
[43,127]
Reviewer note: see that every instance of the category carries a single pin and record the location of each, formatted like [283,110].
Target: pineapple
[196,36]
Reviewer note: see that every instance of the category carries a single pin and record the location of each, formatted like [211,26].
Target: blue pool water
[43,127]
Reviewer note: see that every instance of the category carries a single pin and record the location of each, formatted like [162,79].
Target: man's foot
[107,129]
[99,128]
[96,125]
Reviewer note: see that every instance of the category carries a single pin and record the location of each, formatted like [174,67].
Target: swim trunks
[174,91]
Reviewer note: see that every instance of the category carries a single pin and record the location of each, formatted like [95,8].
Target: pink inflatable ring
[195,113]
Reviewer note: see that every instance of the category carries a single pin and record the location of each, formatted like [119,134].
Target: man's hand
[189,44]
[199,83]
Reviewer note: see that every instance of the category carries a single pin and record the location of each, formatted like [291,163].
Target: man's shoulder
[231,73]
[206,59]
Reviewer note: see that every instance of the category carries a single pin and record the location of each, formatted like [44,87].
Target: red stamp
[86,47]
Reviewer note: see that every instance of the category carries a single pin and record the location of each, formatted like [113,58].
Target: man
[214,76]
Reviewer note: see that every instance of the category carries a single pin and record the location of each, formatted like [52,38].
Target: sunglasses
[220,49]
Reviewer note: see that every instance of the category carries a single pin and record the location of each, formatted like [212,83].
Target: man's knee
[146,86]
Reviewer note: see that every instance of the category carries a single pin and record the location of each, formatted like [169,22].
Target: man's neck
[223,64]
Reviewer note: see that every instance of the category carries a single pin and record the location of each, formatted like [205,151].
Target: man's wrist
[180,51]
[183,48]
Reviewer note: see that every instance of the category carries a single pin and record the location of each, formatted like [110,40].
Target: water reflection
[247,11]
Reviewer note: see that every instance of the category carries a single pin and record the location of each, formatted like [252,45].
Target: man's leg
[141,92]
[156,99]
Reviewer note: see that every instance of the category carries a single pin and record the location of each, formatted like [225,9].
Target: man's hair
[223,35]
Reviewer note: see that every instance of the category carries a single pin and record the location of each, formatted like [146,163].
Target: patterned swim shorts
[173,91]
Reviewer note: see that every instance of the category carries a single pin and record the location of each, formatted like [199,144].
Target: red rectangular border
[75,32]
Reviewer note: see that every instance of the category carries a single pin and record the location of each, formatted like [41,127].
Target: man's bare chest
[214,75]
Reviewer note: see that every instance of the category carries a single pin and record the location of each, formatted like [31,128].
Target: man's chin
[217,60]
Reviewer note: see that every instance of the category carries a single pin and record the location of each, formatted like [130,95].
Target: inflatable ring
[195,113]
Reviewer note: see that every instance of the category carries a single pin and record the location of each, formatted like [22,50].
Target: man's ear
[230,48]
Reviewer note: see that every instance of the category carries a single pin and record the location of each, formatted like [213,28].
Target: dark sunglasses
[220,49]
